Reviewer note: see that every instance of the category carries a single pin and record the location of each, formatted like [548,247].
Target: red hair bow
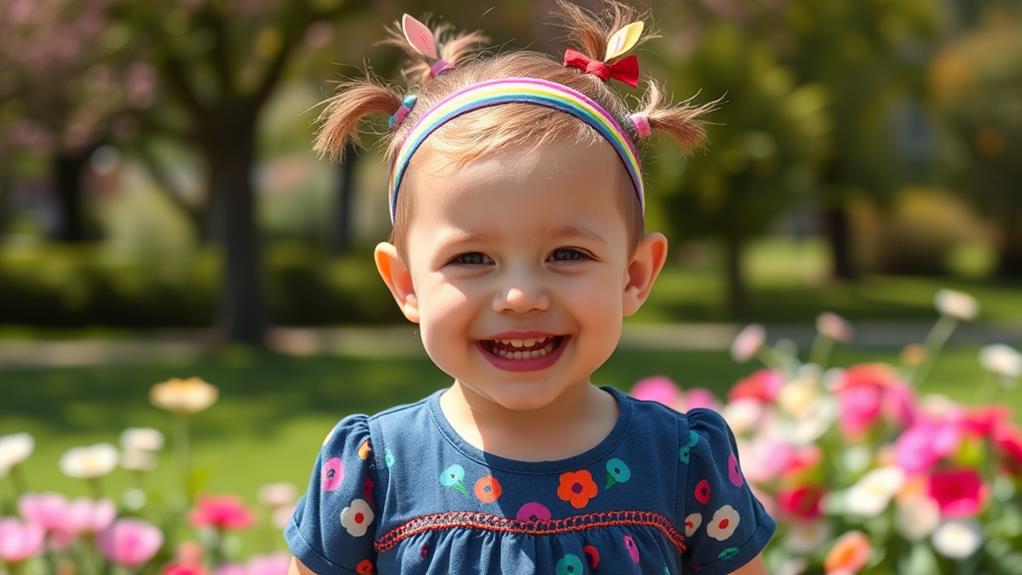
[625,70]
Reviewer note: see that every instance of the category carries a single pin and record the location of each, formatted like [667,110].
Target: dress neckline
[592,455]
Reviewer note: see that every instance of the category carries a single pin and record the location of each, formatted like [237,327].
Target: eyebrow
[565,231]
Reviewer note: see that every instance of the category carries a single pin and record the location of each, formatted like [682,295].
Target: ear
[650,256]
[398,279]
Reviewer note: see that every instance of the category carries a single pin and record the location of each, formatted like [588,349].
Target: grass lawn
[274,410]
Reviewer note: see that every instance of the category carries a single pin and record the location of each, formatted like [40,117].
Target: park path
[403,341]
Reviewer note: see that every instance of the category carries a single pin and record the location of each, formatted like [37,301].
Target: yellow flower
[184,396]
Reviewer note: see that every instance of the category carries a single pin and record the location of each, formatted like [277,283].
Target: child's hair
[476,135]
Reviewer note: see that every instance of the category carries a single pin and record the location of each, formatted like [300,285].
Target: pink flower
[925,443]
[762,385]
[272,564]
[958,492]
[87,516]
[230,569]
[802,502]
[224,512]
[658,388]
[747,343]
[982,421]
[185,569]
[130,542]
[19,540]
[333,473]
[1008,439]
[867,391]
[699,397]
[48,510]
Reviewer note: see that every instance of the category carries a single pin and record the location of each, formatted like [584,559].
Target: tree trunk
[341,231]
[230,155]
[733,272]
[840,242]
[67,181]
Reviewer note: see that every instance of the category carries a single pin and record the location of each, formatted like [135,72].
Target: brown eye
[574,254]
[469,258]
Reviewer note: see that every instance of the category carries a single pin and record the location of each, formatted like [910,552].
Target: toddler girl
[500,165]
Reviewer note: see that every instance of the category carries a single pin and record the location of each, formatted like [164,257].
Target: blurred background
[162,214]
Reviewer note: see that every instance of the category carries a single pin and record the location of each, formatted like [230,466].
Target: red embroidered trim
[492,522]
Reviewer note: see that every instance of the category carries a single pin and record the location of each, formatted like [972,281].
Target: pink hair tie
[439,67]
[641,123]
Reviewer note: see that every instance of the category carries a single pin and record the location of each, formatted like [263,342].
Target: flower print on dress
[617,472]
[692,522]
[728,553]
[703,491]
[570,564]
[592,556]
[633,550]
[356,518]
[487,489]
[685,453]
[389,459]
[734,473]
[333,473]
[365,567]
[365,449]
[452,477]
[724,523]
[577,488]
[533,511]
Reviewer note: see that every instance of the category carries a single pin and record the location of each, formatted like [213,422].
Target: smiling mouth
[540,349]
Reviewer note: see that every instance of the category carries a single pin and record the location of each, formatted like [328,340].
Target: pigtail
[590,34]
[339,121]
[683,121]
[452,47]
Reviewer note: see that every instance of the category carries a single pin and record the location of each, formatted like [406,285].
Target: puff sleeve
[332,527]
[725,525]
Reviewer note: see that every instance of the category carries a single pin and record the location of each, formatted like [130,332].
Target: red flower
[1008,439]
[762,385]
[224,512]
[802,502]
[365,567]
[959,492]
[703,492]
[577,488]
[184,569]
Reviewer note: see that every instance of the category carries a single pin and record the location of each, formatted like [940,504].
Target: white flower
[184,396]
[14,449]
[833,326]
[1001,359]
[798,397]
[275,495]
[282,516]
[692,522]
[873,492]
[957,538]
[141,439]
[807,536]
[742,414]
[357,517]
[89,462]
[138,460]
[916,516]
[724,523]
[956,304]
[747,343]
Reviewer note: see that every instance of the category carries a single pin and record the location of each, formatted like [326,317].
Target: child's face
[525,276]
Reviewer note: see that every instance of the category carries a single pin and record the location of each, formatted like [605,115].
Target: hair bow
[625,70]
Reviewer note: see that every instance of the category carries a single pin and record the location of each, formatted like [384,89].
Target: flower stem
[935,341]
[181,441]
[820,350]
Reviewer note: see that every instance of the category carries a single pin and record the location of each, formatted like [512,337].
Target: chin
[524,396]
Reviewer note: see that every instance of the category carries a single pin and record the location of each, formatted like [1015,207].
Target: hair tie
[439,67]
[406,107]
[641,124]
[625,70]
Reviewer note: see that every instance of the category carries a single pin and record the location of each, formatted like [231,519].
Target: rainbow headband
[505,90]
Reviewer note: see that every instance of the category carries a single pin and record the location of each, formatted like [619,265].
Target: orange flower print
[487,489]
[365,567]
[365,449]
[577,488]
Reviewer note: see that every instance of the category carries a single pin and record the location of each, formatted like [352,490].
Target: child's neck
[577,421]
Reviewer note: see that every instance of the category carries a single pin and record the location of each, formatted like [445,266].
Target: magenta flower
[333,473]
[19,540]
[925,443]
[958,492]
[867,391]
[533,511]
[225,512]
[130,542]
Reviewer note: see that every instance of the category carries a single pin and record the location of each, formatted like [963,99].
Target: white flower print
[357,517]
[692,522]
[724,523]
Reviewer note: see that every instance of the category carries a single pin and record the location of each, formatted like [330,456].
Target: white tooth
[529,342]
[517,343]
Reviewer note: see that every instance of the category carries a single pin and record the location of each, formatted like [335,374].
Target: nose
[521,296]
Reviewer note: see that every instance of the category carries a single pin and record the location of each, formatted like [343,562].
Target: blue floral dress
[400,492]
